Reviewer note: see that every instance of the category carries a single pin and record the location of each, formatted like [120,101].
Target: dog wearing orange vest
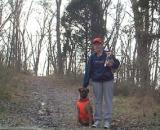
[85,110]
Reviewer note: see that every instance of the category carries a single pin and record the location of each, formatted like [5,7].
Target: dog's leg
[90,113]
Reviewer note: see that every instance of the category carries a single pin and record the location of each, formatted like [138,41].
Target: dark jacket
[96,70]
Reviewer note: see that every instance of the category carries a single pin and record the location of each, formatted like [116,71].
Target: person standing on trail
[99,70]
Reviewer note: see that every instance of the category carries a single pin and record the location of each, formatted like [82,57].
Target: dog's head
[83,92]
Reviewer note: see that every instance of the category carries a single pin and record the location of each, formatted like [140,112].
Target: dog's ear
[80,89]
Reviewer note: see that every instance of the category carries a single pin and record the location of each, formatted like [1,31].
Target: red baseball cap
[97,40]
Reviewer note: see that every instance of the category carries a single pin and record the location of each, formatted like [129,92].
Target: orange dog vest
[84,115]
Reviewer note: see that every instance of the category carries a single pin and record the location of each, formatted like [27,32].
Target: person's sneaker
[106,125]
[96,124]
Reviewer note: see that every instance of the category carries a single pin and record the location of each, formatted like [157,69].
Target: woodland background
[52,38]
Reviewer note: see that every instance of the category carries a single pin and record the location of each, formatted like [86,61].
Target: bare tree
[25,47]
[1,9]
[144,37]
[16,44]
[36,50]
[51,47]
[58,34]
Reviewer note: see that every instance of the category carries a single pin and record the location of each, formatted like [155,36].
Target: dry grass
[136,111]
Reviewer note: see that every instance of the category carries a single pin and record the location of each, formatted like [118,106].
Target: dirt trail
[45,104]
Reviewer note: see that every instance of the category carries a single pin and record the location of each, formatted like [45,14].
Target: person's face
[97,47]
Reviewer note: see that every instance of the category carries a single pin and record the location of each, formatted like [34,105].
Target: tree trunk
[141,22]
[1,9]
[59,52]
